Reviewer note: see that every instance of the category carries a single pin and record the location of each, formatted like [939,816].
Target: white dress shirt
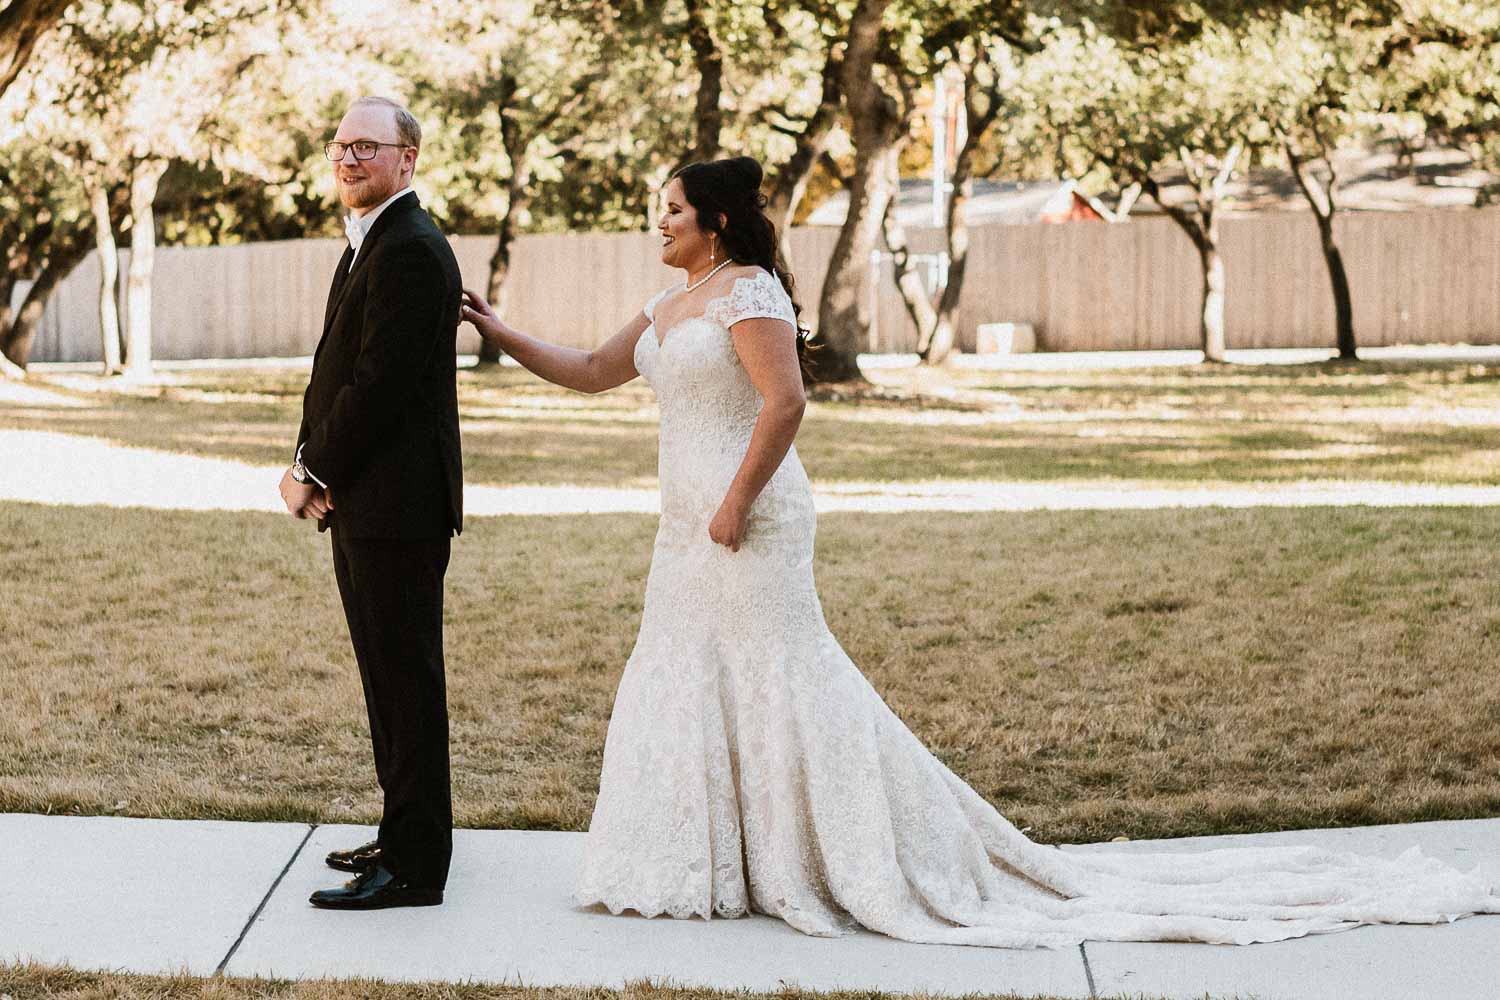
[357,227]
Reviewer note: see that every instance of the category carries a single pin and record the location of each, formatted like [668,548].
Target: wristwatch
[299,473]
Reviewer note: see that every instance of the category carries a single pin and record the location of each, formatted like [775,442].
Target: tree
[781,91]
[1140,110]
[988,67]
[878,125]
[812,129]
[45,230]
[528,89]
[110,355]
[1320,60]
[548,95]
[1441,63]
[22,24]
[708,63]
[886,62]
[1340,63]
[135,86]
[762,74]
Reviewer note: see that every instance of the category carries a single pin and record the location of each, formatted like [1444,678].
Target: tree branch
[22,24]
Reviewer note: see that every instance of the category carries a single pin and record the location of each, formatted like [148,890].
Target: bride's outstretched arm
[609,365]
[768,350]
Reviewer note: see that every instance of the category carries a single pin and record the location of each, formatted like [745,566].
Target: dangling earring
[713,247]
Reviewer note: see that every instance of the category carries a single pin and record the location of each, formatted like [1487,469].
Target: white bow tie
[355,233]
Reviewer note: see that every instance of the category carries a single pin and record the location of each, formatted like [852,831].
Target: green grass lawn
[1396,421]
[1094,674]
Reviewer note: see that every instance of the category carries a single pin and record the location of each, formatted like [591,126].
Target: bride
[750,766]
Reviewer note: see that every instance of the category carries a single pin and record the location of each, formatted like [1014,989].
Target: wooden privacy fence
[1416,277]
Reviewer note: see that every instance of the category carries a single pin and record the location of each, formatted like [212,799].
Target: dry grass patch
[36,982]
[1403,422]
[1094,674]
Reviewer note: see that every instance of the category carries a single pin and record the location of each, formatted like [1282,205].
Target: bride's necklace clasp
[710,274]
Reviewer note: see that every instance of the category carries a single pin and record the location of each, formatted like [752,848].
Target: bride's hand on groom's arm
[606,366]
[474,309]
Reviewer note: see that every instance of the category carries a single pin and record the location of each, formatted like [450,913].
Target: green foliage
[1443,66]
[240,94]
[42,206]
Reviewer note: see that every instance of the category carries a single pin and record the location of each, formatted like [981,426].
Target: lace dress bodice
[708,411]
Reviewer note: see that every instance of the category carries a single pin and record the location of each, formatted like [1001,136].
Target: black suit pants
[393,601]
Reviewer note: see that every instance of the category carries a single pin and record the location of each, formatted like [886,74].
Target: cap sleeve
[650,307]
[758,296]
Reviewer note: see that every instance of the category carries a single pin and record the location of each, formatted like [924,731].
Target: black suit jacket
[380,414]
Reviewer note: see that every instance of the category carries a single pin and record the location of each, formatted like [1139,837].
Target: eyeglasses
[364,149]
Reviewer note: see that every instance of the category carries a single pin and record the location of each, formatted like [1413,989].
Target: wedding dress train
[750,766]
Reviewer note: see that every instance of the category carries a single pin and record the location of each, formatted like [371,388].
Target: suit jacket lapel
[381,225]
[340,277]
[334,290]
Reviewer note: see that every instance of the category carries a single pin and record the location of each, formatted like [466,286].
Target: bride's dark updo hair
[731,189]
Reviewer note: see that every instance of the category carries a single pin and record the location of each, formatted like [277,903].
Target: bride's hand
[476,310]
[728,526]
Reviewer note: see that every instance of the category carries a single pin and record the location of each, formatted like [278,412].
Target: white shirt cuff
[310,474]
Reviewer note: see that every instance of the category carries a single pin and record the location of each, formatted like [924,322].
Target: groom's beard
[363,192]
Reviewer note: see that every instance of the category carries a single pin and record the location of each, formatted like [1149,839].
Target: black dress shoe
[356,859]
[375,889]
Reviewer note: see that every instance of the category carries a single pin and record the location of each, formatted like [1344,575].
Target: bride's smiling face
[684,243]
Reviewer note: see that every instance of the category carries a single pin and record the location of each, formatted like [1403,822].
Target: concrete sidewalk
[205,897]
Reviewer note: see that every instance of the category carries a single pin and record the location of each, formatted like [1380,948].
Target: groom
[377,464]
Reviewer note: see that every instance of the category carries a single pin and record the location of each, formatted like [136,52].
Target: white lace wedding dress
[750,766]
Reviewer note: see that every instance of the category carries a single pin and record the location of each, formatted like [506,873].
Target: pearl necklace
[710,274]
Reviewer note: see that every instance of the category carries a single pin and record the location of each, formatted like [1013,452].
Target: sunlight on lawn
[1397,421]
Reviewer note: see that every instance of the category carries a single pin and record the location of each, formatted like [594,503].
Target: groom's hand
[300,497]
[318,505]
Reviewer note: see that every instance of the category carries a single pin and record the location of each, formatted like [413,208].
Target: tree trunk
[844,308]
[1128,197]
[944,340]
[1213,298]
[908,280]
[8,368]
[143,183]
[708,117]
[22,23]
[517,143]
[1320,199]
[877,125]
[956,229]
[1343,302]
[791,180]
[22,331]
[945,332]
[489,352]
[109,266]
[1203,230]
[498,291]
[7,291]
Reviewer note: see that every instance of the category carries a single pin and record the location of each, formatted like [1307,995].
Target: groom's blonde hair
[408,132]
